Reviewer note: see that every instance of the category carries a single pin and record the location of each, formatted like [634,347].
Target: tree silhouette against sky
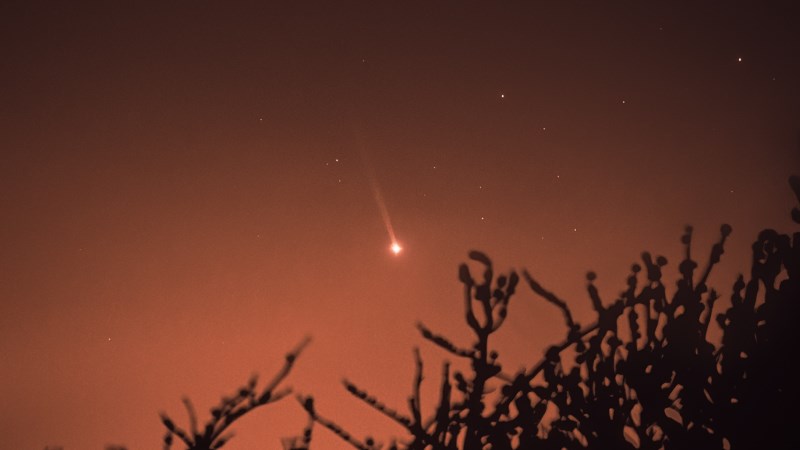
[643,375]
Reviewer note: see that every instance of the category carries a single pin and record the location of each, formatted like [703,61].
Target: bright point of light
[739,59]
[396,248]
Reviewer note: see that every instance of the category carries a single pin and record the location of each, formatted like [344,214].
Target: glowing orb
[396,249]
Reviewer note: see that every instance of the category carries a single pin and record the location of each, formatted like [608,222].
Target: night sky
[190,188]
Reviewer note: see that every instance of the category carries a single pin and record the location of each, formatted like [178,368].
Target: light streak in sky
[395,246]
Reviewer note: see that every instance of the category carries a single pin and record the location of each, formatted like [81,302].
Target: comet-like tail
[376,193]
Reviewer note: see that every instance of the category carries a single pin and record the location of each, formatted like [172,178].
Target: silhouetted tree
[214,434]
[644,374]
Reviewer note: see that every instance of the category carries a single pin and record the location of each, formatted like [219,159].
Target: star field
[190,188]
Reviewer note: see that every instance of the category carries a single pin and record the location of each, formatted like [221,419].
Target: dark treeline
[644,374]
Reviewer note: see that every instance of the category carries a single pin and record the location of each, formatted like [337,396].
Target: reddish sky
[186,189]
